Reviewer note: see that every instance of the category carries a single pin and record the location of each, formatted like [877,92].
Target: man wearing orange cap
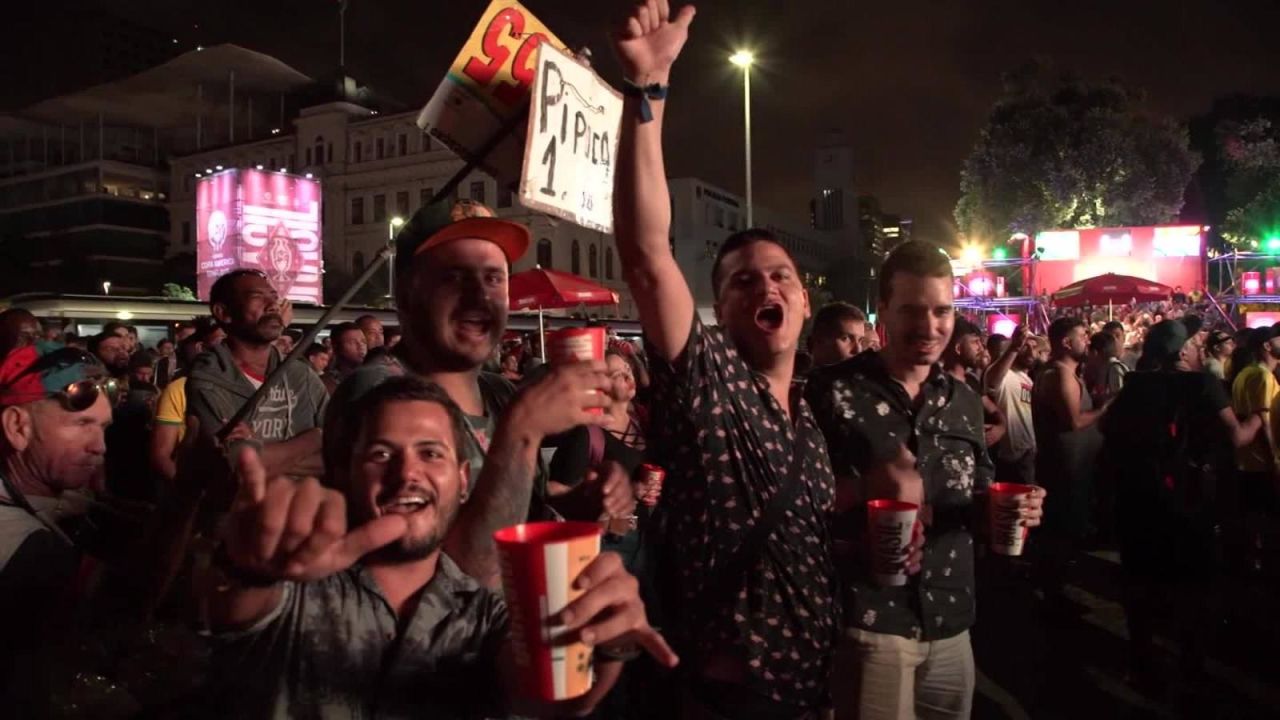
[452,262]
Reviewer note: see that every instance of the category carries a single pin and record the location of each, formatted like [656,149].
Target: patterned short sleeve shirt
[866,416]
[727,447]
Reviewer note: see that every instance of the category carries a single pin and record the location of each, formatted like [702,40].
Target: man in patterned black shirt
[906,650]
[755,623]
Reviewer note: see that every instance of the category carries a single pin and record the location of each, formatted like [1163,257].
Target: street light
[393,225]
[106,287]
[743,59]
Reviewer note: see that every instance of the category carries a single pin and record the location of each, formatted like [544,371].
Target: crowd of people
[332,555]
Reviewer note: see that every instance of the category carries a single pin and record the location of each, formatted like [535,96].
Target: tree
[1251,152]
[1066,154]
[175,291]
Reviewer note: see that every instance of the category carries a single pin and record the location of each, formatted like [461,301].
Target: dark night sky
[908,81]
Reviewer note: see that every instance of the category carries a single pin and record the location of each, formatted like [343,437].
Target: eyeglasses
[77,396]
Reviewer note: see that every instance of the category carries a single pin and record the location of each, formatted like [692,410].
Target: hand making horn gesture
[285,529]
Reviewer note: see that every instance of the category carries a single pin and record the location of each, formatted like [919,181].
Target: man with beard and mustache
[745,566]
[906,650]
[452,262]
[287,424]
[1067,447]
[54,408]
[113,350]
[342,603]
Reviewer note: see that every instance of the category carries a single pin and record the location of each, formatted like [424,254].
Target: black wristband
[624,653]
[645,93]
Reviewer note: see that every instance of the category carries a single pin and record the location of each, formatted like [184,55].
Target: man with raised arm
[748,576]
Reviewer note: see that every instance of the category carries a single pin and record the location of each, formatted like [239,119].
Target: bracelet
[622,653]
[645,93]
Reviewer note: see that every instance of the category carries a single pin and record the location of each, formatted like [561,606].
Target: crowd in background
[331,552]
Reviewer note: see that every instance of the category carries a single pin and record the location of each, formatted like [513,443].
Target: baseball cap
[1165,339]
[1217,338]
[445,221]
[43,370]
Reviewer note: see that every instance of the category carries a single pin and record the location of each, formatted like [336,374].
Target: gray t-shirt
[330,650]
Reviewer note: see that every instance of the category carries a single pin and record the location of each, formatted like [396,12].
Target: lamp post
[743,59]
[106,287]
[393,225]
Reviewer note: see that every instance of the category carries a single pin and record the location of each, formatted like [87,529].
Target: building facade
[378,168]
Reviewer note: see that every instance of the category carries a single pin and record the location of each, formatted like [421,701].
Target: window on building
[307,156]
[544,253]
[357,211]
[186,182]
[575,262]
[477,191]
[710,214]
[358,153]
[186,233]
[733,221]
[357,262]
[425,195]
[719,217]
[271,164]
[319,146]
[402,144]
[379,208]
[293,161]
[504,195]
[328,155]
[379,149]
[608,263]
[426,142]
[593,261]
[402,204]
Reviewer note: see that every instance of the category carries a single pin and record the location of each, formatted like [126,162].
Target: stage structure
[982,290]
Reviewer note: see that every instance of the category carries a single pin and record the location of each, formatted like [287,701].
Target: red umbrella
[552,289]
[1111,288]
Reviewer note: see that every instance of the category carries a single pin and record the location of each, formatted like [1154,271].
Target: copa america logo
[217,229]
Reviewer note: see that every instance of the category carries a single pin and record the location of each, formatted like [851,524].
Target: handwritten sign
[572,142]
[487,88]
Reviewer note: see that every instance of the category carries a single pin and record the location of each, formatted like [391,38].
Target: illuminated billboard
[1173,255]
[262,220]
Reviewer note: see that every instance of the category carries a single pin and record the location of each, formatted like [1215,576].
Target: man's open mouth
[769,317]
[407,504]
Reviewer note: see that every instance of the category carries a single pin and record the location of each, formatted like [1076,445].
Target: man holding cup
[452,263]
[341,602]
[906,649]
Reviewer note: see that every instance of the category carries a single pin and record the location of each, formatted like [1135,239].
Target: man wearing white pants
[898,426]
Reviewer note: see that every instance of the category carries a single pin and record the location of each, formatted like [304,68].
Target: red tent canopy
[1111,288]
[551,289]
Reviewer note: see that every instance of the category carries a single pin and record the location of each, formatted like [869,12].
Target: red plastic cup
[539,562]
[652,476]
[571,345]
[890,523]
[1007,536]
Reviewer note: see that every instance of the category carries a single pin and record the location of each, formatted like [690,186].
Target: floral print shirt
[866,416]
[727,447]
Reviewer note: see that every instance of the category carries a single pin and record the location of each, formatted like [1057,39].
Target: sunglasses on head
[80,395]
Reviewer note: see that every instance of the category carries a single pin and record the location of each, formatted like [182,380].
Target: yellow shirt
[172,408]
[1256,390]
